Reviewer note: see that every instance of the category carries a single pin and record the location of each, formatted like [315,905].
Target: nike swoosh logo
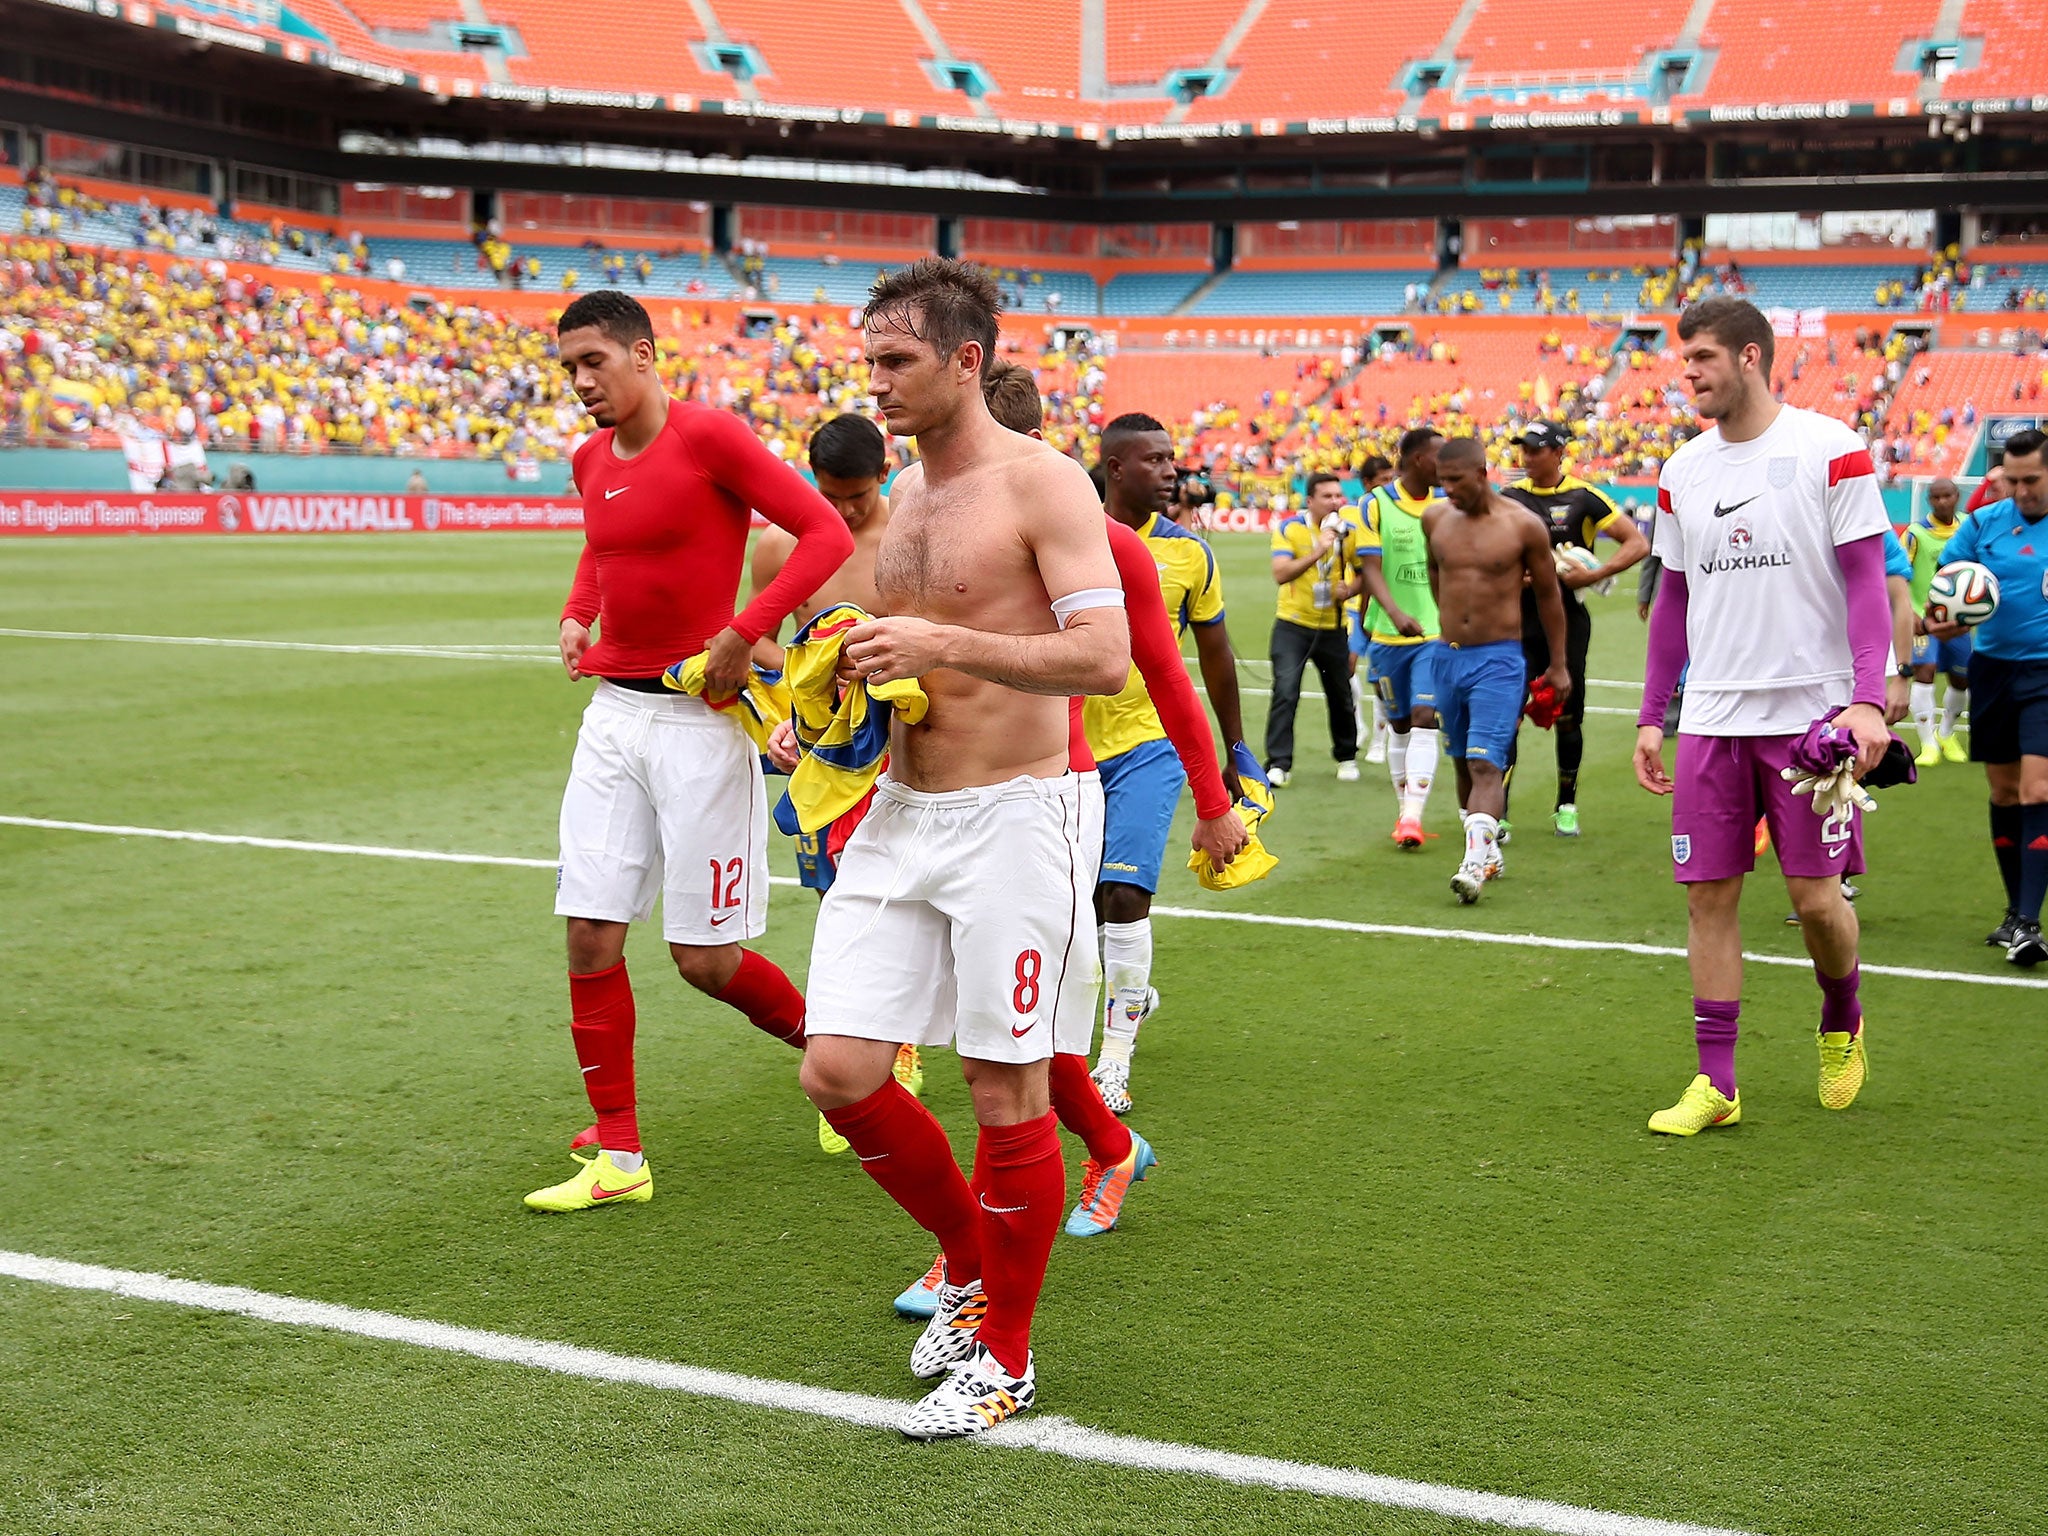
[1002,1210]
[875,1159]
[1019,1034]
[1721,511]
[716,921]
[599,1192]
[590,1069]
[608,495]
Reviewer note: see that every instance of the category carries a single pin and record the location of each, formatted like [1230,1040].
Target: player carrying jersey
[1925,546]
[664,795]
[2009,686]
[1141,771]
[1401,624]
[961,908]
[1770,529]
[1577,515]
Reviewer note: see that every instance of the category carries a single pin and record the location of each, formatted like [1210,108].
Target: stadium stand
[1812,50]
[1149,293]
[1035,68]
[1147,40]
[1293,292]
[1325,58]
[1514,44]
[2015,58]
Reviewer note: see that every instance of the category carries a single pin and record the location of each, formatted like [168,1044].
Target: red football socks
[767,997]
[601,1023]
[1078,1103]
[1023,1183]
[904,1149]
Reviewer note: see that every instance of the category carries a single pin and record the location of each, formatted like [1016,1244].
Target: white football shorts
[664,798]
[965,916]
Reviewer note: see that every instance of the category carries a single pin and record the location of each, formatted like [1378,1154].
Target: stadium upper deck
[1172,68]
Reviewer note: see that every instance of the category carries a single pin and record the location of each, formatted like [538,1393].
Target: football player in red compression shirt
[665,794]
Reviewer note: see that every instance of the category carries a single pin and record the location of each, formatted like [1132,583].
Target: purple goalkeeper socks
[1840,1012]
[1714,1028]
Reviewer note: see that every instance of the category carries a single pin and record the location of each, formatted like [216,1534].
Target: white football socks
[1358,702]
[626,1162]
[1482,839]
[1922,699]
[1397,761]
[1952,711]
[1423,747]
[1127,970]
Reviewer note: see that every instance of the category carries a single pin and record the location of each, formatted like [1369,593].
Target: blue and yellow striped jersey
[1193,589]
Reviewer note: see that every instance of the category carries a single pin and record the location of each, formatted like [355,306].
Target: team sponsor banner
[27,513]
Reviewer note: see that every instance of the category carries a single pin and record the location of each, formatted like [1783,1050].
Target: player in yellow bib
[1927,547]
[1402,635]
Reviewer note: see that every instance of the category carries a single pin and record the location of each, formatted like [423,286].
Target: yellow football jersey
[1193,589]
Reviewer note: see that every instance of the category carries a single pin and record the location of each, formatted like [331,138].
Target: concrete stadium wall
[86,469]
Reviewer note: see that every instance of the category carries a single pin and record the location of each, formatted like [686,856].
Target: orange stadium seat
[868,57]
[1548,37]
[1033,65]
[584,48]
[1812,50]
[1174,385]
[1939,381]
[2015,58]
[1325,58]
[1147,39]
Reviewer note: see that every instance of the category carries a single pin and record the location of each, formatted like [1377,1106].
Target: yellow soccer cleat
[1954,750]
[1928,755]
[909,1070]
[830,1142]
[1844,1068]
[1701,1107]
[598,1182]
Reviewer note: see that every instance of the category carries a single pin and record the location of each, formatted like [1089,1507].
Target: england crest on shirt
[1781,472]
[1681,848]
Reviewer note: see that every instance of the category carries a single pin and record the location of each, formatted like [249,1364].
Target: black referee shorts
[1578,640]
[2008,709]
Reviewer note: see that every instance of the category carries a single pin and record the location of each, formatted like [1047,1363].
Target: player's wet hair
[2022,443]
[1011,395]
[1321,478]
[1414,440]
[941,302]
[615,315]
[1735,323]
[849,448]
[1461,450]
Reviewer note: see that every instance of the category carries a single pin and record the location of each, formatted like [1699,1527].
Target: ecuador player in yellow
[1141,772]
[1927,547]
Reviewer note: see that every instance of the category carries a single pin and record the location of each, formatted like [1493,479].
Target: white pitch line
[445,653]
[1201,914]
[531,653]
[1049,1433]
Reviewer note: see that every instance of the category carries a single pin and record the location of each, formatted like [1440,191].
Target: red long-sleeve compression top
[665,537]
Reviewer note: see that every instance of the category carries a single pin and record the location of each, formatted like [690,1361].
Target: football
[1962,593]
[1577,556]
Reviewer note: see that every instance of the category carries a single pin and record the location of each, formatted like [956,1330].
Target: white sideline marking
[1326,924]
[1048,1433]
[445,652]
[539,653]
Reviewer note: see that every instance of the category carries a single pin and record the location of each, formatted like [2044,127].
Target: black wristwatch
[1904,669]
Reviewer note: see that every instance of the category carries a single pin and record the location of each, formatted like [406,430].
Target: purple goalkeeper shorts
[1723,785]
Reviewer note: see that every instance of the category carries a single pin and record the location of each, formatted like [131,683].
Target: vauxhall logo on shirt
[1742,550]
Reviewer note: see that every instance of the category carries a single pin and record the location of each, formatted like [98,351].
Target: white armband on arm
[1064,608]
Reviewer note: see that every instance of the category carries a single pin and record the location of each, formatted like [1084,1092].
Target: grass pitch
[1407,1220]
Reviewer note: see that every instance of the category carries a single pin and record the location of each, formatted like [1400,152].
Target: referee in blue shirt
[2009,686]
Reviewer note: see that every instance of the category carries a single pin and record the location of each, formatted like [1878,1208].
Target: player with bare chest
[1482,547]
[962,907]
